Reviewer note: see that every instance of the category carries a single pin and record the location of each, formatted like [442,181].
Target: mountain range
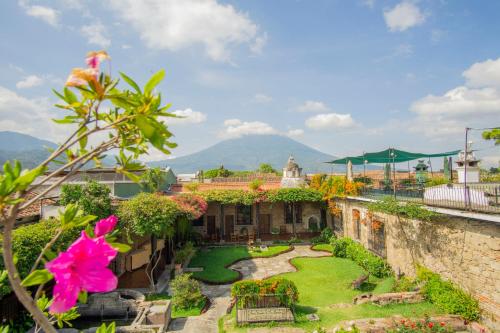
[248,152]
[245,153]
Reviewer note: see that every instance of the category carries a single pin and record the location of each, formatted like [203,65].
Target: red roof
[178,188]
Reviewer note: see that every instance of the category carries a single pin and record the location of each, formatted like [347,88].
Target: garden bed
[181,313]
[322,247]
[215,261]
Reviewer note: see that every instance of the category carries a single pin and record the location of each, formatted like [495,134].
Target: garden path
[219,295]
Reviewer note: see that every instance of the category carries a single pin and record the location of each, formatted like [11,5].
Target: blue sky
[341,76]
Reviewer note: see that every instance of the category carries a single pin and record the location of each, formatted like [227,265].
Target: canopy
[390,155]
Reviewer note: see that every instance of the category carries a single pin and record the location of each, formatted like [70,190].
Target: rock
[312,317]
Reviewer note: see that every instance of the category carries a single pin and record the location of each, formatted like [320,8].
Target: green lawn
[178,313]
[322,247]
[214,261]
[324,289]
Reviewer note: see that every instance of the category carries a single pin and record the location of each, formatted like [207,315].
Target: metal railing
[480,197]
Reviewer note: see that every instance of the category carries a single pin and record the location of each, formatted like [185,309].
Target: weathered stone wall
[465,251]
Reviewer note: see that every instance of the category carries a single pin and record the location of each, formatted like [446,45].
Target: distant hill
[30,151]
[248,152]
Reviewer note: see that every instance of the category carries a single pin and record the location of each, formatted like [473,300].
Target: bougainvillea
[192,205]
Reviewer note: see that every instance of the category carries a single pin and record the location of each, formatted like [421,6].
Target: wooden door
[228,226]
[211,225]
[264,224]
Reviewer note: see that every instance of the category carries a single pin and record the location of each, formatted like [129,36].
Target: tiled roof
[35,208]
[178,188]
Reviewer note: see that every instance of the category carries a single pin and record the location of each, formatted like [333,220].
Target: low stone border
[240,275]
[389,298]
[381,325]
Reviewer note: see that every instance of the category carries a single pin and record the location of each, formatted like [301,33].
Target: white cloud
[476,104]
[262,98]
[295,133]
[235,128]
[96,34]
[47,14]
[174,25]
[189,117]
[403,16]
[29,81]
[29,116]
[330,120]
[312,106]
[484,74]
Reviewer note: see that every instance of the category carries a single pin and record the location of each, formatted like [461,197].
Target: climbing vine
[409,210]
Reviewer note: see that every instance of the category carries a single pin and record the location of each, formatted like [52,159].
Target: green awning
[390,155]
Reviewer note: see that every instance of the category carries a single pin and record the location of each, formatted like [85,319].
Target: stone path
[219,295]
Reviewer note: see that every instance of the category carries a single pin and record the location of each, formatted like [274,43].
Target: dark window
[289,210]
[356,220]
[323,223]
[338,224]
[377,241]
[243,215]
[198,222]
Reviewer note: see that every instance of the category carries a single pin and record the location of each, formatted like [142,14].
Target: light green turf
[323,247]
[215,260]
[324,282]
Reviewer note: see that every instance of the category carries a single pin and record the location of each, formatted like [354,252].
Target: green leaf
[28,177]
[89,230]
[70,97]
[38,276]
[131,82]
[153,81]
[82,297]
[122,248]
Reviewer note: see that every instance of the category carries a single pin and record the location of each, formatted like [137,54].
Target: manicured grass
[178,313]
[215,260]
[181,313]
[324,289]
[323,247]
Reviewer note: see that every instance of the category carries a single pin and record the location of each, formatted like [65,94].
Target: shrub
[29,240]
[148,213]
[347,248]
[93,198]
[183,254]
[324,237]
[447,296]
[249,291]
[404,284]
[186,292]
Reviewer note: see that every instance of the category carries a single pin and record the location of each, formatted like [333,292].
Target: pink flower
[82,267]
[80,77]
[105,226]
[95,58]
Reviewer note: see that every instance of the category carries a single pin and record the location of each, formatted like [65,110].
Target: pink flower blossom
[82,267]
[80,77]
[95,58]
[105,226]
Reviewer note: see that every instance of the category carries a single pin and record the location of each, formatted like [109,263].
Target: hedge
[447,296]
[29,240]
[347,248]
[250,291]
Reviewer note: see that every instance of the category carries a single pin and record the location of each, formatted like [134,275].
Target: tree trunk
[15,281]
[294,219]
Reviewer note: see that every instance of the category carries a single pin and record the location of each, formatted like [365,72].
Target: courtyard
[323,282]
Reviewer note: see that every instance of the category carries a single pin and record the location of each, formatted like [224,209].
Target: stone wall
[465,251]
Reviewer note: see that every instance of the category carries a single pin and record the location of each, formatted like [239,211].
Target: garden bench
[356,284]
